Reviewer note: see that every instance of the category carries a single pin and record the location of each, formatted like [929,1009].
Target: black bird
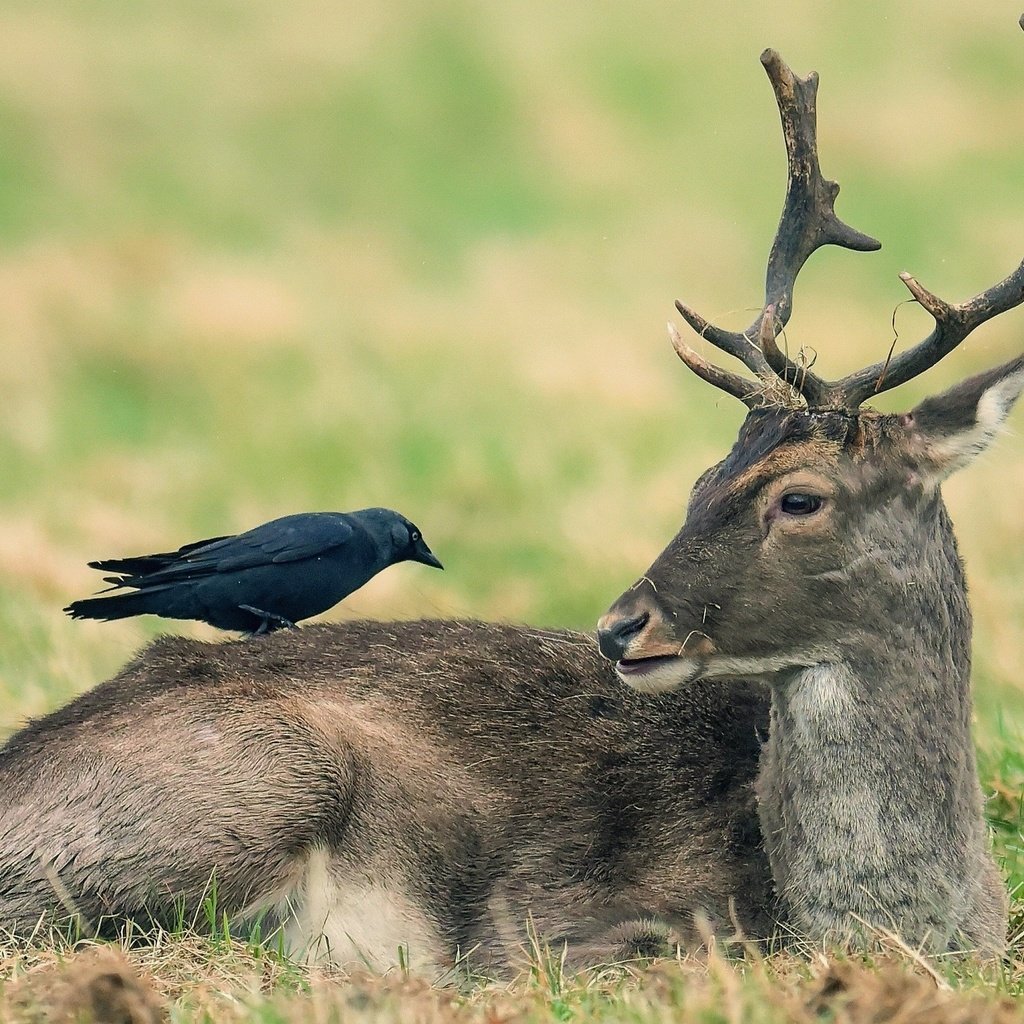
[265,579]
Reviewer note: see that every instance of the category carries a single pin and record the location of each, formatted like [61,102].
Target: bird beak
[427,557]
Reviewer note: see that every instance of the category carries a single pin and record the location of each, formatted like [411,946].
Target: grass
[257,258]
[189,977]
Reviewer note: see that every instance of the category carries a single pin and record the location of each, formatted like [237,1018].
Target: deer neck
[868,791]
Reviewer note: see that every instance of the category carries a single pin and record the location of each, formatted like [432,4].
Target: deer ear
[951,429]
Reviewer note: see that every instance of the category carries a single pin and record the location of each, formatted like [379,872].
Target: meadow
[258,258]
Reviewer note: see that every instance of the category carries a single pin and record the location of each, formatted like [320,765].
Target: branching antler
[952,325]
[808,221]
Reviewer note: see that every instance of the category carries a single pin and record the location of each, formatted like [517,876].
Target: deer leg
[269,621]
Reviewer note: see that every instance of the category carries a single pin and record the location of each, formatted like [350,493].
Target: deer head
[825,516]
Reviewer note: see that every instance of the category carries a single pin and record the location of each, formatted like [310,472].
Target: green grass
[258,258]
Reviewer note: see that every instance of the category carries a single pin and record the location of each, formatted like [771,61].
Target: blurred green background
[261,257]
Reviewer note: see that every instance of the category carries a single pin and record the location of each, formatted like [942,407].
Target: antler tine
[952,325]
[732,383]
[808,219]
[741,345]
[753,347]
[808,222]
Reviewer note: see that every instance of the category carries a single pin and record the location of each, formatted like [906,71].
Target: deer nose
[614,638]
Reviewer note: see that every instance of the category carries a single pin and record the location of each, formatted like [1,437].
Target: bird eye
[414,536]
[800,504]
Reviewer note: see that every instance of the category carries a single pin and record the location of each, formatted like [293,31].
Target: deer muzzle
[639,636]
[636,628]
[615,633]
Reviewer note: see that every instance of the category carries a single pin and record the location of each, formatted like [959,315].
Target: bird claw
[269,621]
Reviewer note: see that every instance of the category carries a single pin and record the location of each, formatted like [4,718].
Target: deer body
[429,786]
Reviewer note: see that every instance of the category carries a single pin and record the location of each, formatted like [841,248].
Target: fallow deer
[819,558]
[433,787]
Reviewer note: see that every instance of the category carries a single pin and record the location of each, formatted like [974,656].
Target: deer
[818,557]
[768,734]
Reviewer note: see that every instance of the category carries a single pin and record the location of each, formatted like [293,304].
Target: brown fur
[490,773]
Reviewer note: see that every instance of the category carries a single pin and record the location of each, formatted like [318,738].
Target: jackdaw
[265,579]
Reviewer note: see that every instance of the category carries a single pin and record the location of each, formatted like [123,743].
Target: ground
[259,258]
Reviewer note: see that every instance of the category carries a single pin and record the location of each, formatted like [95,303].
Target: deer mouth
[657,674]
[641,666]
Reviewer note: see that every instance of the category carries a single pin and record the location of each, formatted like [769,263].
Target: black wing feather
[142,565]
[290,539]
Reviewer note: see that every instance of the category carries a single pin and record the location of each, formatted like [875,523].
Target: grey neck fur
[868,794]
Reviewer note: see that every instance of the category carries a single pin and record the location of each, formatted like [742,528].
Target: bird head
[409,543]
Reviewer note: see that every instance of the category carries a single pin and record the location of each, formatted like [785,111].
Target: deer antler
[808,221]
[952,325]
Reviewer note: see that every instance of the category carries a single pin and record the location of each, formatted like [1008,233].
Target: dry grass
[192,979]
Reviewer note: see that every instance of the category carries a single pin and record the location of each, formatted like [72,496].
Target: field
[260,257]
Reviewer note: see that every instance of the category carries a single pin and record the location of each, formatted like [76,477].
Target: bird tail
[128,568]
[119,606]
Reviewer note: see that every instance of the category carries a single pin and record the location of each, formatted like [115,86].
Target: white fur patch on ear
[957,450]
[996,403]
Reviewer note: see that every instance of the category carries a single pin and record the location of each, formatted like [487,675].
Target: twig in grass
[892,940]
[67,902]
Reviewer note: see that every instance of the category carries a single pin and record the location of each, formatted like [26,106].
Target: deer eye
[799,504]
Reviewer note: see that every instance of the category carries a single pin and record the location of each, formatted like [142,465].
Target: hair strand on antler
[952,325]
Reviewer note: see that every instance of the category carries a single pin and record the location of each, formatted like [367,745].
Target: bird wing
[140,565]
[290,539]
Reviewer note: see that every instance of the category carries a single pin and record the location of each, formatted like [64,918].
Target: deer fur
[382,791]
